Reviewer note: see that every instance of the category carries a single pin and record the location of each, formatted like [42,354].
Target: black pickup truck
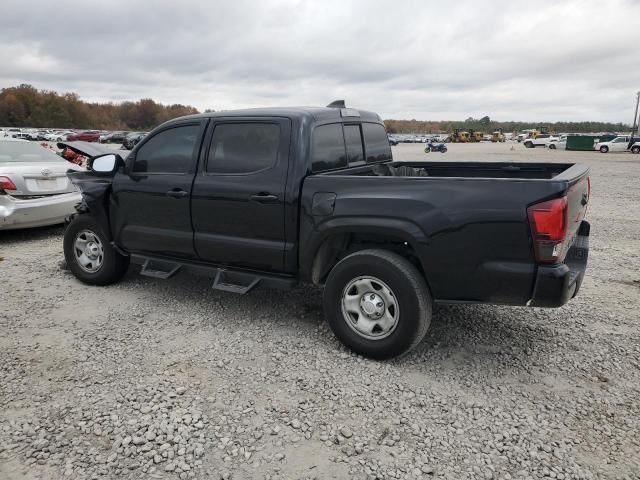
[274,197]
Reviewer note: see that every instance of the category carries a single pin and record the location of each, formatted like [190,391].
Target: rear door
[238,203]
[151,199]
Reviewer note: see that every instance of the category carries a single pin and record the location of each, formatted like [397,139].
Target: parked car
[132,139]
[58,136]
[113,137]
[542,140]
[12,132]
[274,197]
[392,141]
[618,144]
[558,144]
[86,136]
[34,188]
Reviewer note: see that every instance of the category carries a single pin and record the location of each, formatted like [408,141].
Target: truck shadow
[473,335]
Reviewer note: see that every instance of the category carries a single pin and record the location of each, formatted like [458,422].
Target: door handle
[177,193]
[264,197]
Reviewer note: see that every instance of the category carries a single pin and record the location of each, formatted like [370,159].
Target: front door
[239,193]
[619,144]
[150,211]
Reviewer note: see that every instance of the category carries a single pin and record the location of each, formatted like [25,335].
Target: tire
[443,150]
[397,284]
[528,144]
[635,150]
[426,150]
[552,147]
[604,149]
[106,268]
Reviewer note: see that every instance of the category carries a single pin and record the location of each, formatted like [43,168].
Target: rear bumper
[555,285]
[38,212]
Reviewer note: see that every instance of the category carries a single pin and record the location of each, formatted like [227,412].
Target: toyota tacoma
[278,196]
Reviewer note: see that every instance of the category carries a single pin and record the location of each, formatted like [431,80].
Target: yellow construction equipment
[497,136]
[459,136]
[476,136]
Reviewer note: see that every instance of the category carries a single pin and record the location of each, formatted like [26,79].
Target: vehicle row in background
[128,139]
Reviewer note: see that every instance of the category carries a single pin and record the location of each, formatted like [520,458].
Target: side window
[239,148]
[376,142]
[170,151]
[353,141]
[327,150]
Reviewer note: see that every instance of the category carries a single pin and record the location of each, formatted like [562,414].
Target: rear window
[19,151]
[353,141]
[241,148]
[376,142]
[327,150]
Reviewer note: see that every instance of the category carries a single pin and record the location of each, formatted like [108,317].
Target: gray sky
[556,60]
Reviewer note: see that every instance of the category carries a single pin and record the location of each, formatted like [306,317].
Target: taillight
[7,184]
[548,221]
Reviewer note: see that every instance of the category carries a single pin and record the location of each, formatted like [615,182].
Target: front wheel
[604,149]
[635,150]
[377,303]
[552,147]
[89,255]
[443,150]
[528,144]
[426,150]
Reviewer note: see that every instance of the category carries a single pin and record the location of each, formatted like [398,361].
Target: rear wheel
[89,255]
[552,147]
[377,303]
[635,150]
[604,149]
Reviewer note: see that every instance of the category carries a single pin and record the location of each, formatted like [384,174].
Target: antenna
[337,104]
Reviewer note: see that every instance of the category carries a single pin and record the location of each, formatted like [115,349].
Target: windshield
[25,152]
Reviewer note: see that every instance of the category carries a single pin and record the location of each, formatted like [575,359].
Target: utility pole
[636,120]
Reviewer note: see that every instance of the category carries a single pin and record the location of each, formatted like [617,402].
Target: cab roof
[316,114]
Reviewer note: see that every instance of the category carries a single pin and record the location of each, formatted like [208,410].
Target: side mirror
[105,164]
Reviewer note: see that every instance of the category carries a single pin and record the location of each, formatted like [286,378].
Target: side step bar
[158,269]
[225,279]
[235,282]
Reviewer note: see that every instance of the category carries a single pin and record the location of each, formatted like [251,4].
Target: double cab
[277,196]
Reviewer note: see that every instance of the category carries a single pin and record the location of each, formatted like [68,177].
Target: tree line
[486,125]
[26,106]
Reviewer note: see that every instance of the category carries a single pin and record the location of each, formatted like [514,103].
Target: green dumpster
[586,142]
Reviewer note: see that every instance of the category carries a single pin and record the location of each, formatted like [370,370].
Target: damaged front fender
[96,191]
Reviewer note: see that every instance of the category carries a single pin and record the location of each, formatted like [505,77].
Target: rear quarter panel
[472,235]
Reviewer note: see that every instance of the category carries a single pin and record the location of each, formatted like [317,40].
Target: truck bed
[466,221]
[537,171]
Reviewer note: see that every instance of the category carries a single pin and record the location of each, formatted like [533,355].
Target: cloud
[547,61]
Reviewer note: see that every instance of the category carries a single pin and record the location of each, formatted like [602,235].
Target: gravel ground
[169,379]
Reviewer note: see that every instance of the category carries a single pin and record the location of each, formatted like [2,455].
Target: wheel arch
[332,244]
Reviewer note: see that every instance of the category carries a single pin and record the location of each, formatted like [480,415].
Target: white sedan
[34,188]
